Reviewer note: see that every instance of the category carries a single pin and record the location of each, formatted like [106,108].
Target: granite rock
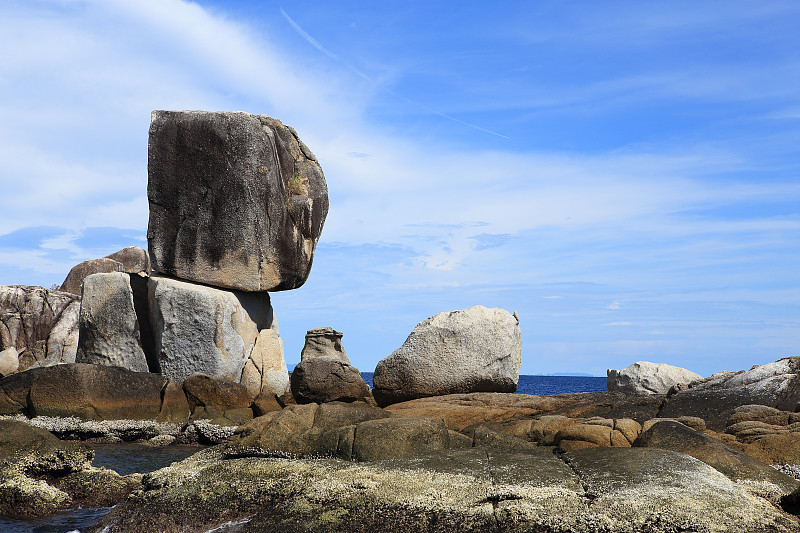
[644,377]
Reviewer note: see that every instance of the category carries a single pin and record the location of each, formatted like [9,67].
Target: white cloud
[616,304]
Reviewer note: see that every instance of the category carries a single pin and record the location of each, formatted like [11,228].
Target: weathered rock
[92,392]
[208,391]
[474,350]
[265,370]
[470,490]
[72,284]
[109,327]
[324,342]
[693,422]
[484,437]
[714,399]
[266,402]
[389,438]
[134,260]
[733,463]
[9,361]
[327,379]
[41,325]
[644,377]
[236,200]
[203,329]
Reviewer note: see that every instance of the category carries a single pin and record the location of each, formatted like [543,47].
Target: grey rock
[474,350]
[42,325]
[134,260]
[643,377]
[9,361]
[78,273]
[204,329]
[109,327]
[327,379]
[324,342]
[236,200]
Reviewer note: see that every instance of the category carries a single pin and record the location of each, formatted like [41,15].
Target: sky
[625,175]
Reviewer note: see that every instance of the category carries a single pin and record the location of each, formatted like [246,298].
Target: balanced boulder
[109,328]
[474,350]
[203,329]
[236,200]
[643,378]
[324,373]
[42,325]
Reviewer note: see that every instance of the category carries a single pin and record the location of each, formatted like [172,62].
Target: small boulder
[209,391]
[236,200]
[473,350]
[326,379]
[134,260]
[79,272]
[9,361]
[643,378]
[109,327]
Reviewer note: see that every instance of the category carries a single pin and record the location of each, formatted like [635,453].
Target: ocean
[127,458]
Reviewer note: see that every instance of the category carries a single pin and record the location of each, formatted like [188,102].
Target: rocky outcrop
[223,402]
[236,200]
[265,370]
[324,342]
[474,350]
[204,329]
[644,377]
[81,271]
[92,392]
[134,260]
[41,325]
[469,490]
[714,399]
[109,327]
[324,373]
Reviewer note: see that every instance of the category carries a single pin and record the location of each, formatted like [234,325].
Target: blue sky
[624,175]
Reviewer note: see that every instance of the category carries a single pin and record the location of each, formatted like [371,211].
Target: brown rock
[544,428]
[208,391]
[599,435]
[389,438]
[327,379]
[134,260]
[780,448]
[174,405]
[72,284]
[266,402]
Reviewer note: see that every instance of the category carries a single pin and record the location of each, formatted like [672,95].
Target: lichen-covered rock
[109,328]
[473,350]
[236,200]
[204,329]
[644,377]
[42,325]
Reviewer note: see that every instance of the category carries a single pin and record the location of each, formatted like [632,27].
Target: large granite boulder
[714,399]
[109,327]
[42,325]
[203,329]
[236,200]
[644,377]
[92,392]
[474,350]
[265,371]
[134,260]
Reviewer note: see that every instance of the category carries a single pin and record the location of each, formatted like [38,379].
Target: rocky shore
[180,344]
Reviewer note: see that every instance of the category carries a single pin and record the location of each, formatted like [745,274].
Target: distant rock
[109,327]
[236,200]
[203,329]
[643,378]
[474,350]
[42,325]
[79,272]
[134,260]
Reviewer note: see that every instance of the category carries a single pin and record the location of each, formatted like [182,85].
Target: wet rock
[644,377]
[474,350]
[236,200]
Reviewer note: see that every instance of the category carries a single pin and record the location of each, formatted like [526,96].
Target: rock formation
[236,200]
[132,260]
[41,325]
[265,371]
[324,373]
[474,350]
[644,377]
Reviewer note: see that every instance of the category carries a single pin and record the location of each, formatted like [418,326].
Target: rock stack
[237,203]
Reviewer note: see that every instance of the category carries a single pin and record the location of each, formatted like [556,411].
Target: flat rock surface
[599,490]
